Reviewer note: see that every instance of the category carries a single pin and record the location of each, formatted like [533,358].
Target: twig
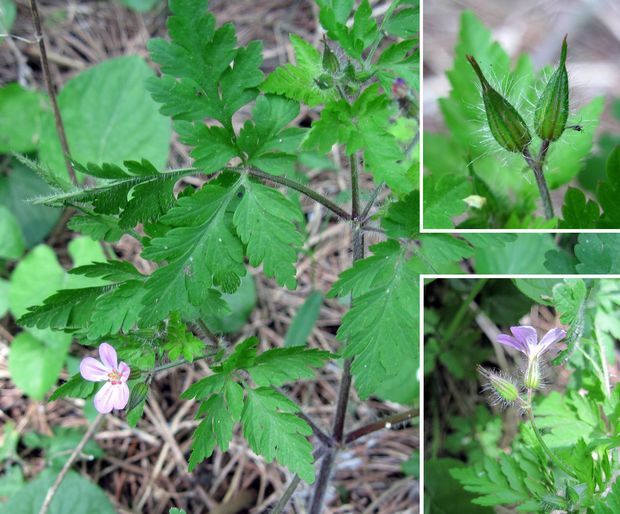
[287,495]
[60,129]
[537,167]
[65,469]
[378,425]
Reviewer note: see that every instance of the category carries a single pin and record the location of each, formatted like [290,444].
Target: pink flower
[525,339]
[114,394]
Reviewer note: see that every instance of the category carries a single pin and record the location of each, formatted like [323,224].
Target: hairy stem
[60,128]
[537,166]
[552,456]
[310,193]
[378,425]
[65,469]
[318,498]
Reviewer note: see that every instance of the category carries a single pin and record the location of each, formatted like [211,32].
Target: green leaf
[35,365]
[76,495]
[568,298]
[444,200]
[17,188]
[221,412]
[541,290]
[75,387]
[607,193]
[264,141]
[364,126]
[98,227]
[201,250]
[181,342]
[205,74]
[20,113]
[11,239]
[598,253]
[402,217]
[273,430]
[298,81]
[300,328]
[241,304]
[8,11]
[278,366]
[577,213]
[265,220]
[526,254]
[381,329]
[404,23]
[121,123]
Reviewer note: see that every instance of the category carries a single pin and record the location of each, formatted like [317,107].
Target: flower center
[115,377]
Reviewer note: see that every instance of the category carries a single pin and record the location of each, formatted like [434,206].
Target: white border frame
[475,230]
[423,278]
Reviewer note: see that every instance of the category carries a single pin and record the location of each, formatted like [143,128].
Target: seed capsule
[532,377]
[330,61]
[506,124]
[503,390]
[552,109]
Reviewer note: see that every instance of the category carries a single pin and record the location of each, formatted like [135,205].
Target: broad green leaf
[265,221]
[35,365]
[120,123]
[541,290]
[241,304]
[598,253]
[402,217]
[525,255]
[181,342]
[17,188]
[298,81]
[20,113]
[98,227]
[205,75]
[76,495]
[444,199]
[4,297]
[577,212]
[300,328]
[11,239]
[273,430]
[75,387]
[404,23]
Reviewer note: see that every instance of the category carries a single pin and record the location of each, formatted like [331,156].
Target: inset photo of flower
[521,106]
[521,395]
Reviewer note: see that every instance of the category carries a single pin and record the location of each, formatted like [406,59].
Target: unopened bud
[137,395]
[324,81]
[504,391]
[330,61]
[552,109]
[506,124]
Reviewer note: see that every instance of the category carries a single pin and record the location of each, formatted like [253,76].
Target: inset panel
[521,394]
[521,115]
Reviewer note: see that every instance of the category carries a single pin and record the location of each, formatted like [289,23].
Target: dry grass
[144,469]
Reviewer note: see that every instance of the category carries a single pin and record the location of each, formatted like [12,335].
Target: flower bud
[504,391]
[552,109]
[330,61]
[506,124]
[532,377]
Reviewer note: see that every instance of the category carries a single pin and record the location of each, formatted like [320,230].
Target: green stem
[552,456]
[458,318]
[379,36]
[537,166]
[175,364]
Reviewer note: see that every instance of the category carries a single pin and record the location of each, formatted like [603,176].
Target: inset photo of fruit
[521,115]
[521,394]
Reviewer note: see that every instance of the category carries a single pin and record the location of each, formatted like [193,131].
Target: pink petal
[553,336]
[120,395]
[107,353]
[512,342]
[124,370]
[91,369]
[104,399]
